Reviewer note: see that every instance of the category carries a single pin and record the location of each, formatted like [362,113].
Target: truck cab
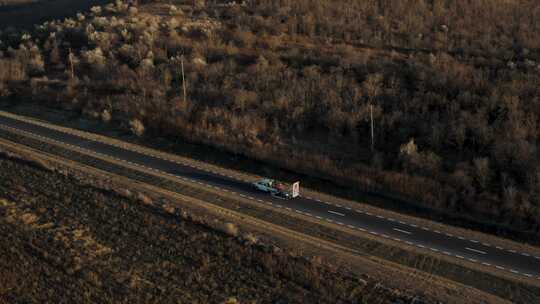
[266,185]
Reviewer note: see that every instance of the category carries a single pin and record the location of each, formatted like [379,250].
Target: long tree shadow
[25,15]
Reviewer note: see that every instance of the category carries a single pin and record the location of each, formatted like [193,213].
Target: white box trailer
[278,189]
[295,190]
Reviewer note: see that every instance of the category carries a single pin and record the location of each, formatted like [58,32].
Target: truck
[278,189]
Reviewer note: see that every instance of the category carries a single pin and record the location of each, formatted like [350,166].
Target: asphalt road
[517,263]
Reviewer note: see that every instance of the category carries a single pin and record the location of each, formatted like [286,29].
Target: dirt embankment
[78,243]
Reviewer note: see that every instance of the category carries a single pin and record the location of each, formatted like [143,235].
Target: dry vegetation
[77,243]
[454,84]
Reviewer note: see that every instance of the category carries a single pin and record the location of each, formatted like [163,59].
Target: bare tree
[482,171]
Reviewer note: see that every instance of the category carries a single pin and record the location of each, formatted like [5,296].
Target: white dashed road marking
[402,231]
[336,213]
[475,250]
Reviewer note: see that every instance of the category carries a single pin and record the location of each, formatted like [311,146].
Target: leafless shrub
[136,127]
[91,113]
[243,99]
[12,70]
[36,63]
[123,192]
[169,208]
[100,22]
[174,10]
[250,238]
[428,162]
[96,10]
[147,63]
[199,4]
[125,35]
[121,6]
[245,38]
[482,171]
[184,214]
[173,24]
[29,56]
[231,300]
[4,90]
[29,218]
[199,61]
[133,11]
[230,229]
[144,199]
[510,195]
[93,278]
[110,8]
[106,116]
[94,58]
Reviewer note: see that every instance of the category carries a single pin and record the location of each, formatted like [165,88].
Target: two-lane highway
[439,242]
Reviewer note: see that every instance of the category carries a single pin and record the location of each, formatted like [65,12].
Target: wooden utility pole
[372,137]
[372,86]
[183,77]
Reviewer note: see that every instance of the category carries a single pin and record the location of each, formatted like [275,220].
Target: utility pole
[371,115]
[372,86]
[183,77]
